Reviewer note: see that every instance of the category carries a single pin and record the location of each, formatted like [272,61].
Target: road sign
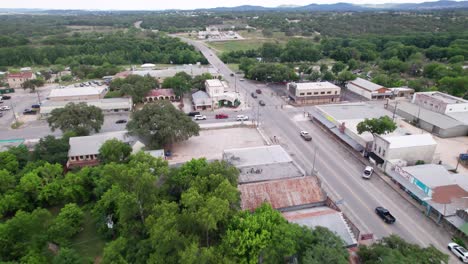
[464,156]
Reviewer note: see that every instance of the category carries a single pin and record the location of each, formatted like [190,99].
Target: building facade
[108,106]
[15,80]
[160,94]
[314,92]
[220,94]
[440,102]
[77,94]
[369,90]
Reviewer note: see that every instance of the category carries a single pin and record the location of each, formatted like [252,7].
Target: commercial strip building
[442,192]
[440,102]
[160,94]
[15,80]
[201,101]
[268,174]
[219,93]
[84,151]
[110,105]
[78,93]
[402,92]
[160,75]
[369,90]
[313,93]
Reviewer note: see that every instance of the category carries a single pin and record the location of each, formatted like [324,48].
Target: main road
[337,167]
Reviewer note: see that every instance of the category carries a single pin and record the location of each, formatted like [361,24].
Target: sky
[172,4]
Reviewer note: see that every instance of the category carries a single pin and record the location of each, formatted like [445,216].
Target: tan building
[16,79]
[314,92]
[77,94]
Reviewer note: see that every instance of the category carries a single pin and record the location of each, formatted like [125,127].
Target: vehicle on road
[1,114]
[199,117]
[253,95]
[121,121]
[35,106]
[242,80]
[242,118]
[367,173]
[258,91]
[458,251]
[6,97]
[385,215]
[261,102]
[1,102]
[4,108]
[29,112]
[306,136]
[193,113]
[232,74]
[221,116]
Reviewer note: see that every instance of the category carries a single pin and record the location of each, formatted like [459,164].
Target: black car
[253,95]
[35,106]
[121,121]
[193,113]
[232,74]
[6,97]
[385,215]
[29,112]
[261,103]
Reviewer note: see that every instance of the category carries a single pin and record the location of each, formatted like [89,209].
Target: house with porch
[160,94]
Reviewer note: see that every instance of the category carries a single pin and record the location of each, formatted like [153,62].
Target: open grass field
[88,243]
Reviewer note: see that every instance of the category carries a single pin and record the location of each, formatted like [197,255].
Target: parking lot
[211,143]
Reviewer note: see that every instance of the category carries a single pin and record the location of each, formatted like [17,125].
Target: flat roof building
[369,90]
[109,105]
[314,92]
[78,93]
[440,102]
[263,163]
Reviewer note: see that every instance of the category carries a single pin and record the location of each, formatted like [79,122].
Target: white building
[369,90]
[78,93]
[440,102]
[110,105]
[314,92]
[410,148]
[220,94]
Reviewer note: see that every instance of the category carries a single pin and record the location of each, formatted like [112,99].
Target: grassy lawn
[88,243]
[233,66]
[237,45]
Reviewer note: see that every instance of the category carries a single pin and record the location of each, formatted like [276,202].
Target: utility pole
[13,110]
[394,110]
[38,97]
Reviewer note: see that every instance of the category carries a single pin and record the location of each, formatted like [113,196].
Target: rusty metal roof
[282,194]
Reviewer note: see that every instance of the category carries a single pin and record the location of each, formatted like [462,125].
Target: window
[72,158]
[315,93]
[375,147]
[322,92]
[81,157]
[301,94]
[380,149]
[336,92]
[87,156]
[383,153]
[309,93]
[329,92]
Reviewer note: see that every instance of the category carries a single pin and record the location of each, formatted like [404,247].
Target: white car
[199,117]
[459,251]
[242,118]
[4,108]
[367,173]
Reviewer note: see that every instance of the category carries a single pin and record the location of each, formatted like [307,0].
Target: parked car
[29,112]
[305,135]
[367,173]
[258,91]
[199,117]
[242,80]
[385,215]
[35,106]
[193,113]
[1,102]
[221,116]
[6,97]
[253,95]
[1,114]
[242,118]
[261,102]
[232,74]
[459,251]
[4,108]
[121,121]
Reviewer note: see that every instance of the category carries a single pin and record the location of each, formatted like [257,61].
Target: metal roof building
[257,164]
[107,105]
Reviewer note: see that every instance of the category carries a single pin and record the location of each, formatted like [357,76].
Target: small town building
[161,75]
[369,90]
[265,163]
[15,80]
[84,151]
[160,94]
[440,102]
[405,92]
[220,94]
[410,148]
[78,93]
[108,106]
[201,101]
[314,92]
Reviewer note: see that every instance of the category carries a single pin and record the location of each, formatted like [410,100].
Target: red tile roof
[281,193]
[448,193]
[24,75]
[161,92]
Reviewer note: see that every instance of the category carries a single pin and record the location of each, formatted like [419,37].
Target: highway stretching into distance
[339,170]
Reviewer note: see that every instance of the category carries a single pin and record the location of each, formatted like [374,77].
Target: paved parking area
[211,143]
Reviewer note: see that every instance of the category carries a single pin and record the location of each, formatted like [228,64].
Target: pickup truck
[385,215]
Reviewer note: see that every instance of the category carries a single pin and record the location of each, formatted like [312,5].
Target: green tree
[67,256]
[114,150]
[327,247]
[345,76]
[198,82]
[328,76]
[135,86]
[79,118]
[338,67]
[8,162]
[115,252]
[161,124]
[67,223]
[22,155]
[33,84]
[393,249]
[271,51]
[180,83]
[377,126]
[52,150]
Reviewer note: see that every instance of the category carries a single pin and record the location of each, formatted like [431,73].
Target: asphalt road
[339,170]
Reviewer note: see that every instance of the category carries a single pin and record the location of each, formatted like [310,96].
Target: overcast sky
[169,4]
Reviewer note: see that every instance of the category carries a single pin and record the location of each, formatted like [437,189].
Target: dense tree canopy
[379,126]
[114,150]
[135,86]
[78,118]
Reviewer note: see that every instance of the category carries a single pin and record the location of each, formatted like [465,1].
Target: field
[88,243]
[237,45]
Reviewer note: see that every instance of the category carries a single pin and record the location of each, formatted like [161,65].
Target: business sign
[402,173]
[464,157]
